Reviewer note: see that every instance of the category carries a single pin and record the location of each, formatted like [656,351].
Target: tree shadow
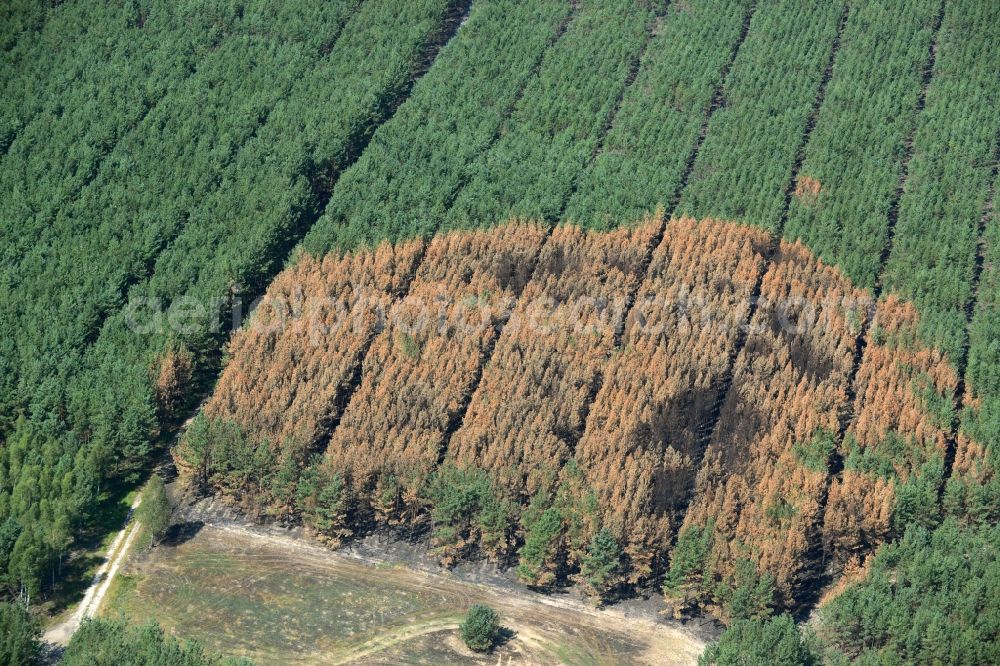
[72,581]
[180,533]
[503,636]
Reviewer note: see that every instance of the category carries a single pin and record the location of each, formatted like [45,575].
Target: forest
[693,299]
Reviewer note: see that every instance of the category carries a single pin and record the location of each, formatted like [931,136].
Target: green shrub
[481,628]
[154,510]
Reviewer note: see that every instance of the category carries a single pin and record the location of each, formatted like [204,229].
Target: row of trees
[855,154]
[87,80]
[641,446]
[90,96]
[745,164]
[741,172]
[506,488]
[239,233]
[932,597]
[420,371]
[46,485]
[974,487]
[491,26]
[748,548]
[933,256]
[406,180]
[923,598]
[292,365]
[895,445]
[761,487]
[895,449]
[560,120]
[77,271]
[645,154]
[920,600]
[113,642]
[525,418]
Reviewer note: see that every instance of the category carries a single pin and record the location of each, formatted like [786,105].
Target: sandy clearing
[536,619]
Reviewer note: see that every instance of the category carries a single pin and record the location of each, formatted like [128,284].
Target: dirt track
[60,634]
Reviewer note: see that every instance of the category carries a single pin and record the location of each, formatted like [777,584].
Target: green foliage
[934,247]
[645,153]
[193,144]
[688,560]
[815,453]
[154,509]
[975,493]
[495,523]
[222,454]
[856,152]
[45,483]
[465,507]
[745,164]
[933,597]
[774,641]
[174,153]
[457,495]
[101,642]
[282,485]
[197,101]
[917,498]
[409,346]
[751,595]
[538,558]
[894,451]
[940,408]
[322,500]
[417,162]
[897,457]
[481,628]
[19,636]
[780,511]
[600,567]
[19,18]
[559,121]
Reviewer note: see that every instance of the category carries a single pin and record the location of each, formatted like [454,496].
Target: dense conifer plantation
[91,254]
[696,296]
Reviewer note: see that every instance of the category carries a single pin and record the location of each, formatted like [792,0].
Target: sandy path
[60,634]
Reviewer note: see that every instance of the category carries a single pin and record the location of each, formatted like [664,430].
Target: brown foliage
[759,483]
[808,189]
[529,409]
[419,372]
[858,512]
[971,461]
[894,358]
[639,451]
[174,373]
[888,400]
[640,442]
[292,363]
